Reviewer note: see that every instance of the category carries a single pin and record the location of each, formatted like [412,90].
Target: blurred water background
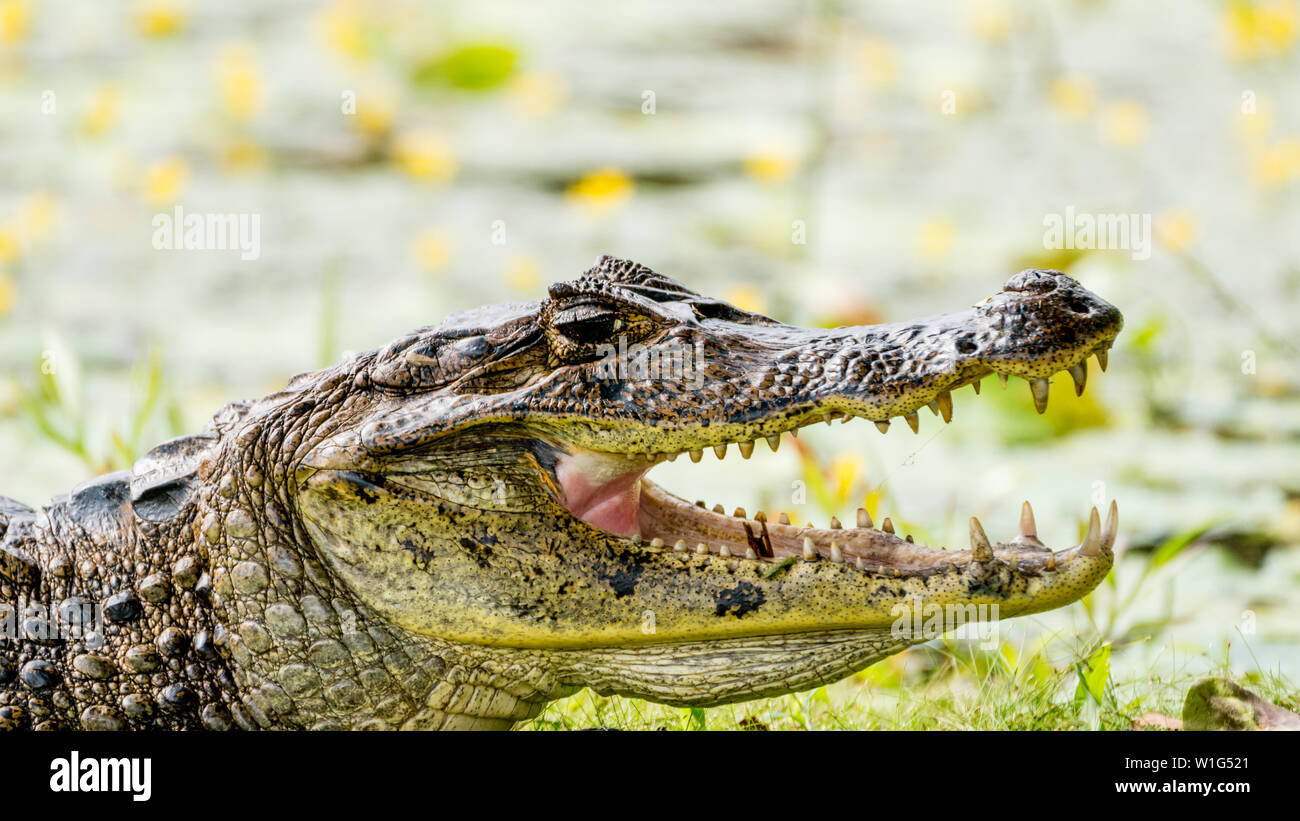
[822,162]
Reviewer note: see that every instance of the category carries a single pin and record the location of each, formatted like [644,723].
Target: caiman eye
[588,324]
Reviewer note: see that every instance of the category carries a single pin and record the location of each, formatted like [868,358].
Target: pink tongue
[611,505]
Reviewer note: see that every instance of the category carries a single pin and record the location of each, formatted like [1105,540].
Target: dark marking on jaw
[622,578]
[739,600]
[480,551]
[365,494]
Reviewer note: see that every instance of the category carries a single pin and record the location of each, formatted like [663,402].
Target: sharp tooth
[1051,562]
[848,417]
[835,524]
[700,503]
[910,539]
[1092,542]
[858,561]
[656,542]
[913,421]
[680,546]
[746,449]
[697,455]
[1080,373]
[887,525]
[1002,377]
[837,555]
[828,418]
[750,554]
[934,406]
[864,518]
[760,516]
[1103,358]
[896,573]
[883,426]
[794,432]
[1027,526]
[720,451]
[976,385]
[719,509]
[724,551]
[774,441]
[809,552]
[702,549]
[945,406]
[672,457]
[1039,388]
[979,543]
[783,518]
[739,513]
[1112,526]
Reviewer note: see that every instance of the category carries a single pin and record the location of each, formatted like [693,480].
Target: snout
[1045,322]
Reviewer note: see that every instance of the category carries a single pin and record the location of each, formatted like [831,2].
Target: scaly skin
[455,529]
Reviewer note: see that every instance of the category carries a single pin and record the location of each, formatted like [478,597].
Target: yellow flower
[771,164]
[843,473]
[376,110]
[1277,165]
[990,20]
[8,244]
[1260,29]
[1176,230]
[602,191]
[432,250]
[1124,123]
[102,112]
[164,181]
[523,274]
[242,155]
[159,18]
[13,20]
[239,81]
[425,155]
[876,63]
[935,239]
[536,93]
[747,298]
[342,25]
[1073,96]
[8,293]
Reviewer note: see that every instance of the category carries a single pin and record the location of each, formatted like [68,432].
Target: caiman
[457,528]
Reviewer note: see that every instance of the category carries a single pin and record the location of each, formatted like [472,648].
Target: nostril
[1077,304]
[1034,279]
[966,345]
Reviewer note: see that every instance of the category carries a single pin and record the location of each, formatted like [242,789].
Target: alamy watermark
[1107,232]
[179,231]
[25,620]
[667,361]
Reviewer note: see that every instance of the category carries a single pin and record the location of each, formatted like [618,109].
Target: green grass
[955,690]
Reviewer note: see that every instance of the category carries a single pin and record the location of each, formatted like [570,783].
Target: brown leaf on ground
[1157,721]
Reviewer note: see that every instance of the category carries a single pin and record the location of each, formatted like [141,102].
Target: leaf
[1171,547]
[699,719]
[1093,675]
[471,67]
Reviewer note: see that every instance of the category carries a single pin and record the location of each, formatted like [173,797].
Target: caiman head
[483,482]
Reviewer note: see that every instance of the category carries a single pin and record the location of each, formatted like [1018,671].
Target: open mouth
[609,491]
